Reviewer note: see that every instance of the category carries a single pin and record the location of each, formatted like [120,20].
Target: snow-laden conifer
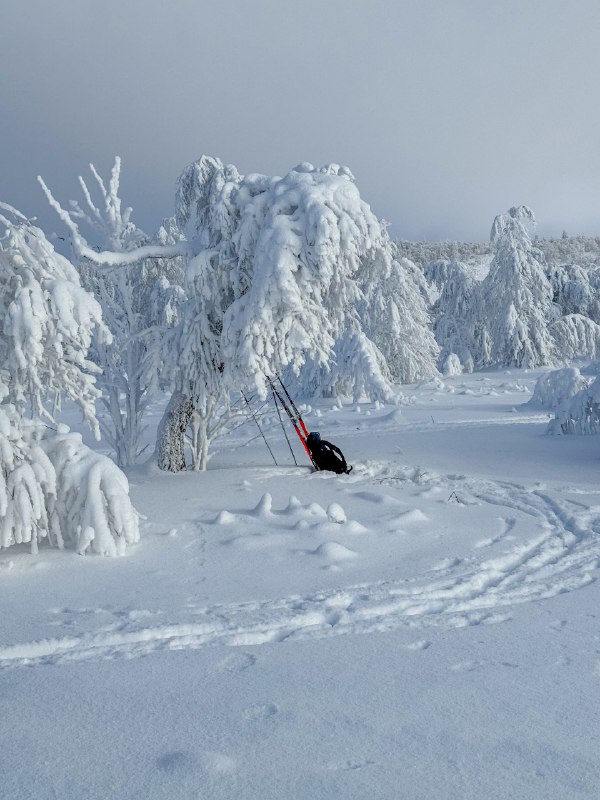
[27,483]
[576,289]
[395,315]
[515,307]
[576,336]
[453,315]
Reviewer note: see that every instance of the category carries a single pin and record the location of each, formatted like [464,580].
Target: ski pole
[258,426]
[283,427]
[294,422]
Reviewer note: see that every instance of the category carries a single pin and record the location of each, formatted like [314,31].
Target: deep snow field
[426,627]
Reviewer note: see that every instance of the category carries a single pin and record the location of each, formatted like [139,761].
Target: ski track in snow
[560,557]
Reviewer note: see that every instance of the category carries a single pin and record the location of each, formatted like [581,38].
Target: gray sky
[447,111]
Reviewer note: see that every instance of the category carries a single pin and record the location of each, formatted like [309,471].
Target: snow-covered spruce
[47,321]
[452,314]
[509,318]
[514,305]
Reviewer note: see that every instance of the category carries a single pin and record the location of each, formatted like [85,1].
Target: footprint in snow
[176,763]
[421,644]
[237,662]
[349,765]
[180,764]
[261,712]
[558,625]
[467,666]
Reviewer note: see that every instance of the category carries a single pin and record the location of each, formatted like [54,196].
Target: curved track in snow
[559,557]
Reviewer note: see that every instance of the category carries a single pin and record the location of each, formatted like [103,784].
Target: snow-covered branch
[112,258]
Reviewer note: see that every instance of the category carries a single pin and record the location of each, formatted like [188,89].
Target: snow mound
[334,551]
[336,513]
[554,388]
[263,508]
[224,518]
[293,504]
[414,515]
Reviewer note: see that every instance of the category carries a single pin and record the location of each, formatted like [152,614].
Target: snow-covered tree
[580,414]
[47,321]
[453,315]
[140,303]
[394,314]
[293,273]
[515,306]
[576,289]
[279,272]
[557,387]
[576,336]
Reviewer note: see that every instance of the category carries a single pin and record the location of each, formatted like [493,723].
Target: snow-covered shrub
[553,389]
[452,365]
[91,504]
[47,321]
[580,414]
[424,254]
[583,250]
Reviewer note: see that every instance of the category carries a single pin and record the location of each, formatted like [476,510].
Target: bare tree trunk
[170,440]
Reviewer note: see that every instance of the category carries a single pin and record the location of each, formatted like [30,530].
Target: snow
[425,627]
[558,386]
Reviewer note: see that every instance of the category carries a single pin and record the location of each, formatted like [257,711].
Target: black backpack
[327,456]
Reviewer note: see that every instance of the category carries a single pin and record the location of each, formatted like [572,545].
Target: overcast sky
[447,111]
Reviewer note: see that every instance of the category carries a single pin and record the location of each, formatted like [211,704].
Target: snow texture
[423,627]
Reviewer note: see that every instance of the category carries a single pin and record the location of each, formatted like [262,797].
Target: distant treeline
[582,250]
